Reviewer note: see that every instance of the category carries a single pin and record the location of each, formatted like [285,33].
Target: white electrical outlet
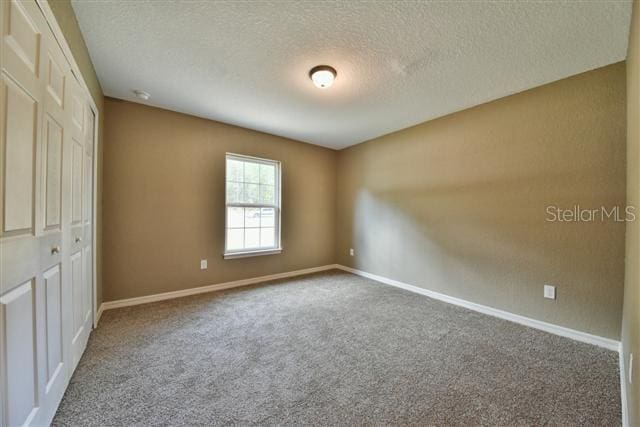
[203,264]
[352,252]
[631,368]
[549,291]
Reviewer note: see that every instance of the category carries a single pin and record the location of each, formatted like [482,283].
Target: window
[253,206]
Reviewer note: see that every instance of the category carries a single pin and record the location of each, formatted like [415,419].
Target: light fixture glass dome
[323,76]
[142,94]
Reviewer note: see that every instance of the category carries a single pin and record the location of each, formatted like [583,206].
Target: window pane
[251,193]
[251,172]
[234,192]
[267,217]
[267,194]
[267,237]
[252,217]
[267,174]
[251,238]
[250,182]
[234,170]
[235,217]
[235,238]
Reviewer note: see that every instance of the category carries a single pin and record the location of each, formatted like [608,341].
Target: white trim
[536,324]
[94,218]
[532,323]
[245,157]
[98,315]
[516,318]
[211,288]
[232,255]
[623,390]
[229,254]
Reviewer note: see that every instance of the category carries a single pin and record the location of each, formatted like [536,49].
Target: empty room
[326,213]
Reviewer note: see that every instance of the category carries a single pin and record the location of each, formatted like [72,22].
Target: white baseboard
[623,390]
[99,314]
[533,323]
[210,288]
[526,321]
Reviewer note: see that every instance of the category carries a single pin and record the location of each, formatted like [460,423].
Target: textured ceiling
[399,64]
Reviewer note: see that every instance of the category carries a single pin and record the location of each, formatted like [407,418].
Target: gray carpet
[333,349]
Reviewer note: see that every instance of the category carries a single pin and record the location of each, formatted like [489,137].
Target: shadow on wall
[471,241]
[459,207]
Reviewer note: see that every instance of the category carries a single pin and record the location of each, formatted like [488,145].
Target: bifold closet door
[45,292]
[80,139]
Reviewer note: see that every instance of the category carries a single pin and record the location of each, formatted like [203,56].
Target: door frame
[75,69]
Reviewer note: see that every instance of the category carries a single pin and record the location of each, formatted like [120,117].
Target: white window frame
[277,248]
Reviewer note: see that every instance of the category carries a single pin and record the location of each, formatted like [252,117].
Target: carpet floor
[333,349]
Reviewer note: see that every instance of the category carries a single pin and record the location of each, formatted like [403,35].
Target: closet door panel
[80,331]
[53,174]
[55,78]
[77,132]
[53,134]
[21,42]
[88,279]
[77,159]
[19,147]
[53,294]
[17,311]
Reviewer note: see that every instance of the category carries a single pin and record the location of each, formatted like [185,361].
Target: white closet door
[80,285]
[52,320]
[87,218]
[21,275]
[45,248]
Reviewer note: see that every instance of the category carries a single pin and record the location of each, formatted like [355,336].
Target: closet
[47,128]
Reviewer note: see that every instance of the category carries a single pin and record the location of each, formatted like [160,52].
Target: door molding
[68,54]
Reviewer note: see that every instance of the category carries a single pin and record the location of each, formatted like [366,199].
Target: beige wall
[67,20]
[631,314]
[164,201]
[457,205]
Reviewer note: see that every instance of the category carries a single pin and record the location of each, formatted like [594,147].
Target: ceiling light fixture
[142,94]
[323,76]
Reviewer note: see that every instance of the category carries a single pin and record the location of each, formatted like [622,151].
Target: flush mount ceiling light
[142,94]
[323,76]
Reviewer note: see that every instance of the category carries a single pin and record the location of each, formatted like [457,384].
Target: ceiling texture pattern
[399,63]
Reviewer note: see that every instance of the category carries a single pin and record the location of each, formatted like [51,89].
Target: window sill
[232,255]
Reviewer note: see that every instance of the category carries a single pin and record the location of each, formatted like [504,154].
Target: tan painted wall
[457,205]
[66,18]
[454,205]
[164,201]
[631,313]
